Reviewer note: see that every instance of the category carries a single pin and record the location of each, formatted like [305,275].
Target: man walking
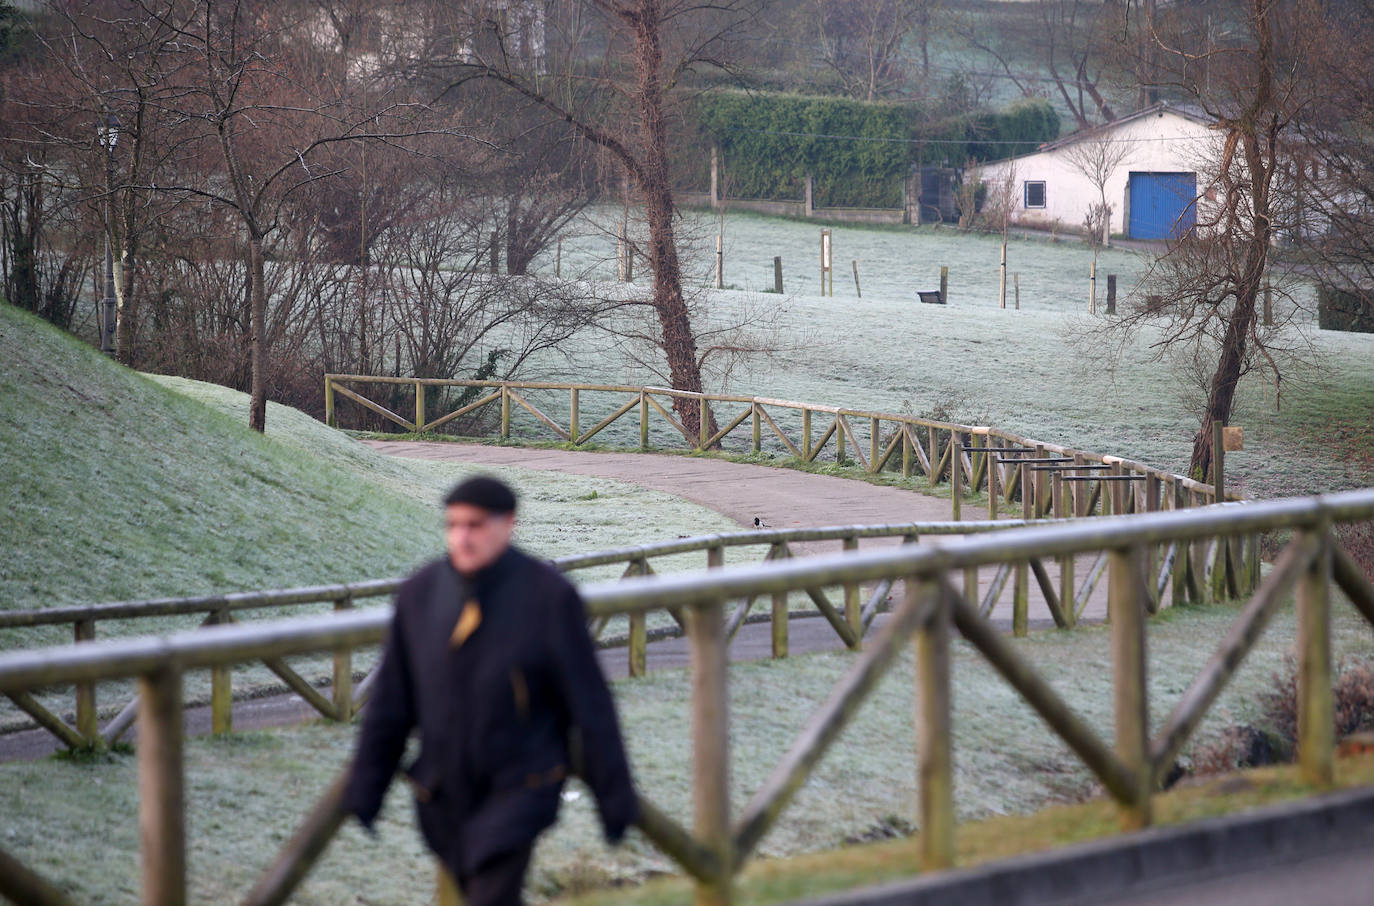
[488,656]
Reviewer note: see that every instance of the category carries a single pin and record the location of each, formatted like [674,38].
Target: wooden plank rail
[715,850]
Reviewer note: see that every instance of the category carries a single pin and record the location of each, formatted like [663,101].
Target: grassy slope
[120,486]
[247,792]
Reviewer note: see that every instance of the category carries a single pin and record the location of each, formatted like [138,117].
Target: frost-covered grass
[120,486]
[1031,371]
[75,820]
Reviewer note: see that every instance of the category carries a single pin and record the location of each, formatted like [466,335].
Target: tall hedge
[858,153]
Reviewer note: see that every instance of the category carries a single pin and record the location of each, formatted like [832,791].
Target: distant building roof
[1187,111]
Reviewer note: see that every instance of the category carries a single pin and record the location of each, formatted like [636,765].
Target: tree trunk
[257,403]
[1222,395]
[124,309]
[679,341]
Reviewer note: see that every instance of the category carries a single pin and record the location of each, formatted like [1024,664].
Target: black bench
[932,297]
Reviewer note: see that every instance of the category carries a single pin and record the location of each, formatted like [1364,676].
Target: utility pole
[108,134]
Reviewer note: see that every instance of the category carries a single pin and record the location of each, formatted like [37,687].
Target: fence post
[994,479]
[221,687]
[1316,718]
[852,605]
[806,435]
[639,630]
[944,284]
[1127,612]
[1020,597]
[573,407]
[758,433]
[956,474]
[419,406]
[935,762]
[87,720]
[777,274]
[643,420]
[343,672]
[711,747]
[1063,503]
[329,418]
[161,797]
[1183,551]
[505,412]
[841,445]
[933,471]
[874,426]
[703,424]
[906,449]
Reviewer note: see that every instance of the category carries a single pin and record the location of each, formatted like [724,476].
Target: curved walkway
[783,498]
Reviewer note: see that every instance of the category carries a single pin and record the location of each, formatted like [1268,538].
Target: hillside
[118,485]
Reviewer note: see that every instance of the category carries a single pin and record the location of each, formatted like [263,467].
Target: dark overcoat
[503,718]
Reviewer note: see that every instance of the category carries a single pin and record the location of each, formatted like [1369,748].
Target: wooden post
[573,413]
[1020,600]
[1002,278]
[934,456]
[161,805]
[944,288]
[874,430]
[558,260]
[779,624]
[1127,612]
[419,406]
[221,687]
[329,417]
[643,420]
[703,424]
[87,720]
[906,450]
[639,629]
[1178,586]
[1111,294]
[505,412]
[956,473]
[935,758]
[1092,288]
[1316,717]
[858,291]
[853,607]
[1039,505]
[841,446]
[343,671]
[1063,506]
[711,748]
[758,429]
[806,435]
[1016,286]
[720,261]
[777,274]
[994,480]
[826,257]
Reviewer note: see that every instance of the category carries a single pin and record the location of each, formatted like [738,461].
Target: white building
[1146,166]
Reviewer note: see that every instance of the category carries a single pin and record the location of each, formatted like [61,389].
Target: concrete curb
[1134,863]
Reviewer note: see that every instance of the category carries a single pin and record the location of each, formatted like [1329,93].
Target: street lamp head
[109,132]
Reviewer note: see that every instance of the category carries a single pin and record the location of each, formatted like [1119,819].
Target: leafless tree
[862,40]
[651,48]
[1098,158]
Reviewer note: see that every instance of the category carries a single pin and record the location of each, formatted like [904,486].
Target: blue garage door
[1162,205]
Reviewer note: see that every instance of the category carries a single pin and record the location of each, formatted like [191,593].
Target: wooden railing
[968,458]
[851,618]
[932,609]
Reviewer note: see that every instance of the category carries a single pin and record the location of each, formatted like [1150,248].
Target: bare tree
[1098,159]
[1208,283]
[861,41]
[650,47]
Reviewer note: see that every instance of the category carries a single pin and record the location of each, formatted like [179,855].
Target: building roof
[1187,111]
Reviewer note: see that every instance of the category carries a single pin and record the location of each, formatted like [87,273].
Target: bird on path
[759,523]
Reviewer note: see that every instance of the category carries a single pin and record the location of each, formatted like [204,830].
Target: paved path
[783,498]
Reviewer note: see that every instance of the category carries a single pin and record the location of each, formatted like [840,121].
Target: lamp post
[108,133]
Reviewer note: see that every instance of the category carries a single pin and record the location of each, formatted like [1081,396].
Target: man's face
[476,538]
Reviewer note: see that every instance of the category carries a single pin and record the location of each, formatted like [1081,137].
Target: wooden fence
[967,458]
[851,618]
[931,611]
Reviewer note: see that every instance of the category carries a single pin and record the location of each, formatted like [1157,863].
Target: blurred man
[489,657]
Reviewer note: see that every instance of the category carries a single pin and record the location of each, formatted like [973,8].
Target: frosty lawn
[246,792]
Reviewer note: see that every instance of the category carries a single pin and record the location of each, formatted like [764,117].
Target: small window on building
[1035,194]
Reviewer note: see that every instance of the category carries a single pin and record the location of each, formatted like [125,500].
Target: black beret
[490,494]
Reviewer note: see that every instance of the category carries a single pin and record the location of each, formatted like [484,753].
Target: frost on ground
[77,821]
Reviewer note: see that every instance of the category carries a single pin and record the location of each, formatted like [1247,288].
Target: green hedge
[858,153]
